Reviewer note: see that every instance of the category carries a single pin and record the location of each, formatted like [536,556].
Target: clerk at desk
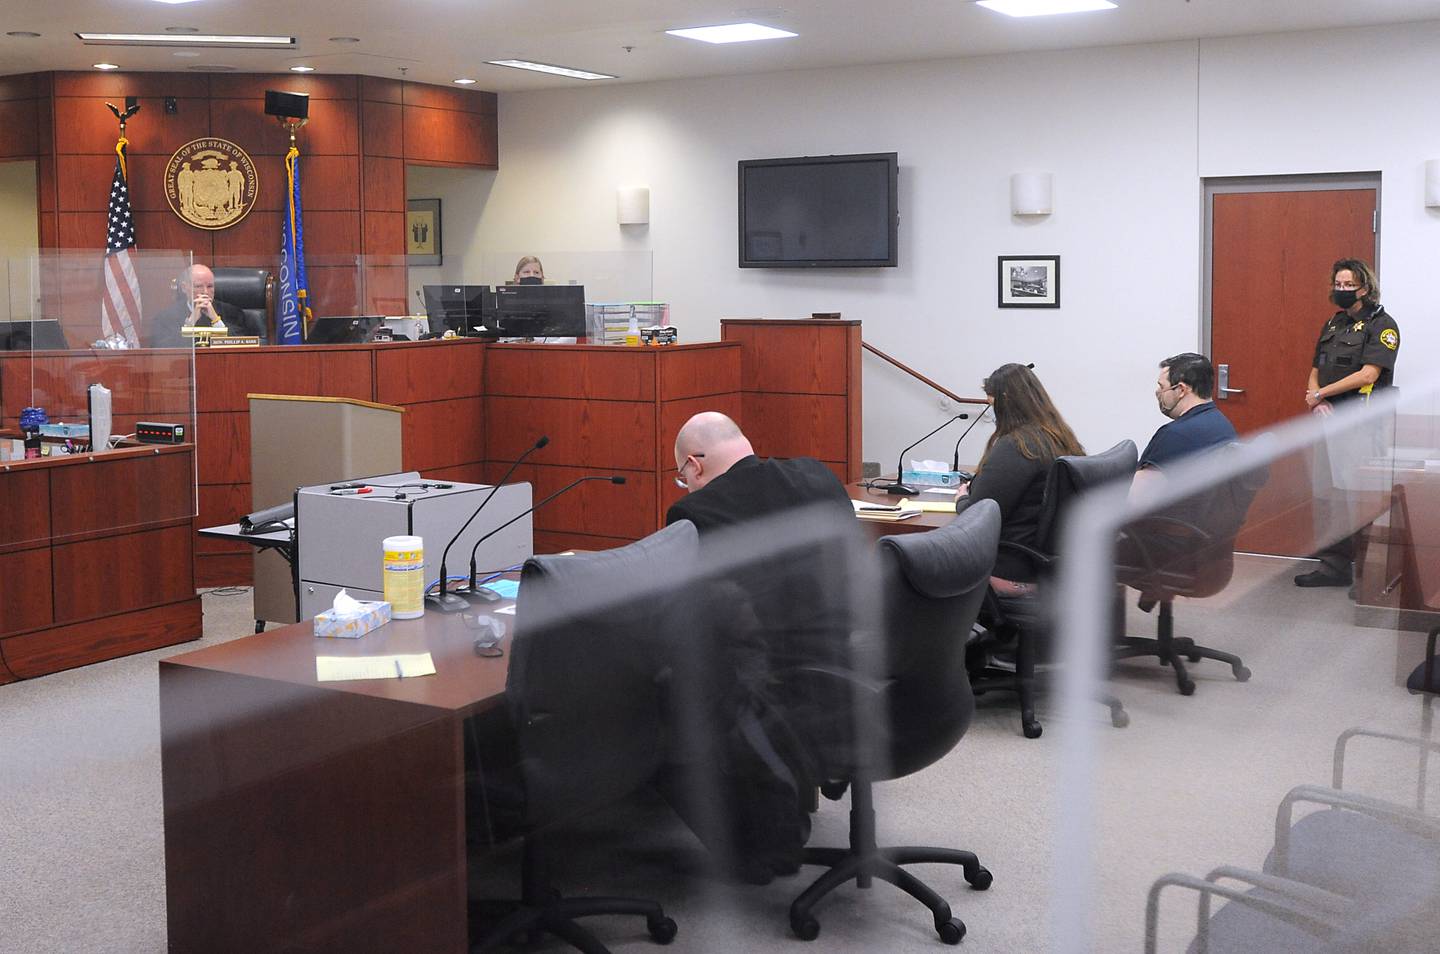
[195,304]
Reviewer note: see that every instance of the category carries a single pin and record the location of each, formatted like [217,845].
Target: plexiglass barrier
[1271,789]
[79,372]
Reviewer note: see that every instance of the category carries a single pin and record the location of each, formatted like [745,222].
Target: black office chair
[1069,476]
[1187,549]
[933,585]
[252,290]
[585,691]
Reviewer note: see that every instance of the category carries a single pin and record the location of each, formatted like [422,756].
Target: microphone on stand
[489,595]
[445,601]
[955,462]
[899,489]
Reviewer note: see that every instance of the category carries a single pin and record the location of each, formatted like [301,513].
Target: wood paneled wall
[801,384]
[362,132]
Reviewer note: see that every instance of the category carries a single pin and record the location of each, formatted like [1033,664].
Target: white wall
[1128,133]
[462,194]
[19,234]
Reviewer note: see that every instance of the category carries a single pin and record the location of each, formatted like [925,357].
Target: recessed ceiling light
[302,69]
[547,68]
[463,81]
[344,39]
[175,2]
[182,30]
[106,66]
[732,33]
[1044,8]
[22,34]
[162,39]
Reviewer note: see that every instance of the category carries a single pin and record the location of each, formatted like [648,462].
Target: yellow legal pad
[344,668]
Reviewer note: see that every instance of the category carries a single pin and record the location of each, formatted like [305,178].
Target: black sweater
[1017,484]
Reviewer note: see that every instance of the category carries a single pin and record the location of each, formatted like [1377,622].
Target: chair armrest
[1318,898]
[1041,561]
[1338,772]
[1281,906]
[1407,818]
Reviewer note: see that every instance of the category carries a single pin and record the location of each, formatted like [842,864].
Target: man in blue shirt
[1183,390]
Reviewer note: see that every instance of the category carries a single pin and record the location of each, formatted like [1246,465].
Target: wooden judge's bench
[471,408]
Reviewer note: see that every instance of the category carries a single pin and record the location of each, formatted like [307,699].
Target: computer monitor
[41,335]
[459,308]
[539,311]
[343,329]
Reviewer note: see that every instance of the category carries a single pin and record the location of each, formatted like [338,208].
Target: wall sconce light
[1031,193]
[632,205]
[1432,183]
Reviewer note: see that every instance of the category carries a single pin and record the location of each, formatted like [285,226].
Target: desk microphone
[491,596]
[955,462]
[899,489]
[446,601]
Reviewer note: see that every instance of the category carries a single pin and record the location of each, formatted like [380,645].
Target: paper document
[929,506]
[509,610]
[904,510]
[343,668]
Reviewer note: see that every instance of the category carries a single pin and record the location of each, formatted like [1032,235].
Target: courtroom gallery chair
[1027,629]
[918,700]
[1185,549]
[252,290]
[1360,875]
[585,692]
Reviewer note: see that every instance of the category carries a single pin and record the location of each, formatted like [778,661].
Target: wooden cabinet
[96,558]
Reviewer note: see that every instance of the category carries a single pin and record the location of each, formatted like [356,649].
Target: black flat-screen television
[539,311]
[819,212]
[460,308]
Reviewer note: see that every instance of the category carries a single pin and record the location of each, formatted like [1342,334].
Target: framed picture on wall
[422,232]
[1029,281]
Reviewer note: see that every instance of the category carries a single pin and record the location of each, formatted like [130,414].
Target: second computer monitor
[459,308]
[539,311]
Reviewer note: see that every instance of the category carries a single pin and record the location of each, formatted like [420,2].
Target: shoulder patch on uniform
[1390,338]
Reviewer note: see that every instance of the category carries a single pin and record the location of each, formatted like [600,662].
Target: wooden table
[320,816]
[884,528]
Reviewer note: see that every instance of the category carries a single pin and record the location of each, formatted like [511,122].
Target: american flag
[121,306]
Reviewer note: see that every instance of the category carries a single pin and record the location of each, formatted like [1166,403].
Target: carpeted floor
[1190,784]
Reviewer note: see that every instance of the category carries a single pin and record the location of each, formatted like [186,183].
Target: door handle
[1222,382]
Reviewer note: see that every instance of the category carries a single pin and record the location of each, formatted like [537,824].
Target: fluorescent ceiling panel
[181,39]
[1044,8]
[732,33]
[548,68]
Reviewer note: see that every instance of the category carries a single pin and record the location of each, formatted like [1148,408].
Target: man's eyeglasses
[680,475]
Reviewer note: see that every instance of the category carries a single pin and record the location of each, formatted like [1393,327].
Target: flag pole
[122,289]
[292,125]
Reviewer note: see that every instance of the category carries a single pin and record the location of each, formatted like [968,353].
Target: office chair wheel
[662,930]
[1120,719]
[1186,687]
[1242,673]
[805,927]
[951,931]
[1032,729]
[1193,657]
[981,880]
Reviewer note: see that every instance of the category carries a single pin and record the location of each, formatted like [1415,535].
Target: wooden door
[1271,254]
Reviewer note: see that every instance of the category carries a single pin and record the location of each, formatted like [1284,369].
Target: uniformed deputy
[1354,356]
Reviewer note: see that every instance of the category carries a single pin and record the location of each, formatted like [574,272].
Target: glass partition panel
[1271,790]
[79,372]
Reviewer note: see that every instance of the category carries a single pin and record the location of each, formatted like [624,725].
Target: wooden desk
[885,528]
[320,816]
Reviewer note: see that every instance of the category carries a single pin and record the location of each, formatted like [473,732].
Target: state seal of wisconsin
[211,183]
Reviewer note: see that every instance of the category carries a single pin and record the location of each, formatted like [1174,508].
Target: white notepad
[343,668]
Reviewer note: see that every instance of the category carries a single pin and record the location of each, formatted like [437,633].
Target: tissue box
[373,615]
[932,478]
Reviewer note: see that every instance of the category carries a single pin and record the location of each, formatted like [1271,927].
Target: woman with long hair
[1029,435]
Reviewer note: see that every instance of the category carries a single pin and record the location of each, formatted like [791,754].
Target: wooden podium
[299,440]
